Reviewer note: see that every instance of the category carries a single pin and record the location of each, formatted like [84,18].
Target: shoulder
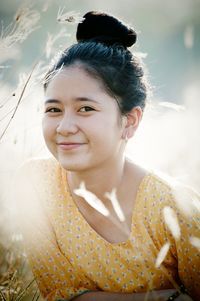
[38,164]
[149,181]
[171,210]
[37,175]
[164,191]
[158,183]
[151,185]
[35,181]
[36,169]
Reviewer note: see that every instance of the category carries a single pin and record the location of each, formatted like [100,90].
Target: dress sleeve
[177,221]
[54,274]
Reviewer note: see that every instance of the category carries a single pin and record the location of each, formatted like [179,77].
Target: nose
[67,125]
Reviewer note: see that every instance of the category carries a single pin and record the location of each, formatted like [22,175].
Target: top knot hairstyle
[101,50]
[104,28]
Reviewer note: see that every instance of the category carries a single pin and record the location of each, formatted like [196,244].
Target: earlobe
[124,126]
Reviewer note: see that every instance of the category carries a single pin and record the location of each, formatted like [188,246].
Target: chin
[73,166]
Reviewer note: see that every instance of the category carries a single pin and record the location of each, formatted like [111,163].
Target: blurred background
[169,43]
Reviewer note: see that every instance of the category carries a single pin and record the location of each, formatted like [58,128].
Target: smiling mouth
[69,146]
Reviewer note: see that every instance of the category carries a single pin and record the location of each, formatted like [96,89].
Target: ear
[133,119]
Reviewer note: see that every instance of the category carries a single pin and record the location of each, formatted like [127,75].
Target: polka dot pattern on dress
[69,257]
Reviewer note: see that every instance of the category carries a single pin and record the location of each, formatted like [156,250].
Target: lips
[69,145]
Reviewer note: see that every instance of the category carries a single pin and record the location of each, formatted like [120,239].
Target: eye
[52,110]
[86,109]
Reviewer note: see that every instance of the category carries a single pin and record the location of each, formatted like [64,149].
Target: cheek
[111,128]
[103,123]
[106,131]
[48,128]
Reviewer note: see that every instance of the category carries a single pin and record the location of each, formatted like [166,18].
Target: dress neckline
[68,194]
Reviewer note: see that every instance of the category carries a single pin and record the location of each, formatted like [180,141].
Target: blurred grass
[16,280]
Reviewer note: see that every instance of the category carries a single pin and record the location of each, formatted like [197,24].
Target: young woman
[80,245]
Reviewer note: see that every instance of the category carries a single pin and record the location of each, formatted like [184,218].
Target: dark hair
[102,52]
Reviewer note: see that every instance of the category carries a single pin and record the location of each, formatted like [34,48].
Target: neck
[99,180]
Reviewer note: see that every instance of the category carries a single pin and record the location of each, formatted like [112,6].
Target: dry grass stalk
[16,281]
[91,199]
[25,22]
[98,205]
[18,102]
[162,254]
[68,17]
[171,221]
[51,40]
[195,241]
[116,205]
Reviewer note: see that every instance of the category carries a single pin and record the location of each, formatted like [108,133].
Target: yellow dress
[69,257]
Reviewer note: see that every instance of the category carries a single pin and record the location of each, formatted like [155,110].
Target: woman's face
[81,122]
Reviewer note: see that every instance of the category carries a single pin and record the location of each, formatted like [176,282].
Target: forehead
[74,78]
[74,83]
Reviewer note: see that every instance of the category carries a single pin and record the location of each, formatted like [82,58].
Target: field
[167,140]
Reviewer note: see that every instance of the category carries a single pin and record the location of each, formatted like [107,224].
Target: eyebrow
[75,99]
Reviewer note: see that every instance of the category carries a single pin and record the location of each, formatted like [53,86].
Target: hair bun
[104,28]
